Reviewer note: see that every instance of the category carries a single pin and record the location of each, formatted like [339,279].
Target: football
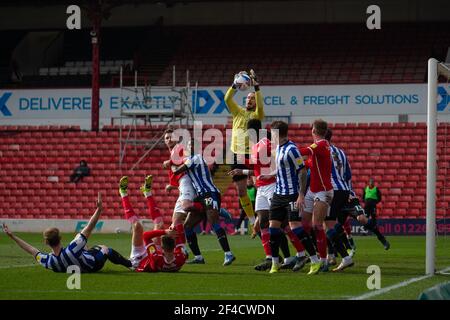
[242,81]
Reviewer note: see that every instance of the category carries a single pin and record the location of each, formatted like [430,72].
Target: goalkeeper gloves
[255,82]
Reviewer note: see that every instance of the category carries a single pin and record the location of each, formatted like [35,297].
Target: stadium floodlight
[435,69]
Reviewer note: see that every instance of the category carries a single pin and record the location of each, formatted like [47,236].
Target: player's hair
[321,127]
[328,135]
[52,237]
[282,127]
[168,130]
[254,124]
[167,243]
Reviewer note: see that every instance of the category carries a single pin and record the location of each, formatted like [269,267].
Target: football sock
[117,258]
[153,211]
[265,240]
[284,246]
[247,206]
[192,241]
[351,241]
[275,238]
[294,239]
[342,235]
[222,237]
[371,225]
[130,215]
[242,217]
[334,238]
[305,239]
[348,227]
[181,238]
[330,247]
[321,240]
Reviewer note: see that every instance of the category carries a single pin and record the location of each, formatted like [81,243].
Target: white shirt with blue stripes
[341,173]
[289,162]
[200,175]
[74,254]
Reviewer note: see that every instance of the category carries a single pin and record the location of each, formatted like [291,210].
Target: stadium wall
[386,226]
[71,225]
[236,12]
[297,104]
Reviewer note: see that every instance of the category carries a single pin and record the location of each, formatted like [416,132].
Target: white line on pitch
[395,286]
[180,294]
[19,266]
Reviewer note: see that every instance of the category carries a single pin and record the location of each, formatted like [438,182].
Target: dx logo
[444,98]
[205,102]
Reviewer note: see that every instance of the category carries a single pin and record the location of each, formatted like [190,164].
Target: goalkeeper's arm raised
[229,101]
[259,112]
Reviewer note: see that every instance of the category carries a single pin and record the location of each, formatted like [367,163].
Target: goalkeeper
[240,144]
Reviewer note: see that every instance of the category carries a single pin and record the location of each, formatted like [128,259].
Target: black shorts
[371,208]
[243,166]
[284,207]
[210,201]
[340,200]
[100,258]
[353,209]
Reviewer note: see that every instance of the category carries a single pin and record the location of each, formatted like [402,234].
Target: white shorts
[137,255]
[187,192]
[264,196]
[311,197]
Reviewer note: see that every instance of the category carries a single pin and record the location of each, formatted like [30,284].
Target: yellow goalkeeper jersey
[239,137]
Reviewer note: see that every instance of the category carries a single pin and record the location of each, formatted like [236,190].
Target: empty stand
[36,163]
[281,54]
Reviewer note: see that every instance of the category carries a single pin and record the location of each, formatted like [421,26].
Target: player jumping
[240,148]
[265,182]
[146,253]
[76,253]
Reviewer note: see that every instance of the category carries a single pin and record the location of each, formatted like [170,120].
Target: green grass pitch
[21,278]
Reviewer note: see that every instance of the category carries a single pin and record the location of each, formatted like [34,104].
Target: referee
[240,144]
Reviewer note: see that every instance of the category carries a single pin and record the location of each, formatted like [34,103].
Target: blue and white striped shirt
[341,173]
[74,254]
[289,162]
[200,175]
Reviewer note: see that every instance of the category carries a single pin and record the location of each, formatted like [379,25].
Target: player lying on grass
[76,253]
[156,250]
[209,195]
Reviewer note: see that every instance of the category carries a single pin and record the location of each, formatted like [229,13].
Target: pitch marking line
[19,266]
[180,294]
[396,286]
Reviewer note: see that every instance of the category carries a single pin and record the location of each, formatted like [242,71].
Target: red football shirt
[177,159]
[261,159]
[155,260]
[320,178]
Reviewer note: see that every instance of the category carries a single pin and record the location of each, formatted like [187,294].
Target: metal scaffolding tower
[168,106]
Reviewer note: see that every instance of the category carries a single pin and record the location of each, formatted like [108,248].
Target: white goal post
[435,69]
